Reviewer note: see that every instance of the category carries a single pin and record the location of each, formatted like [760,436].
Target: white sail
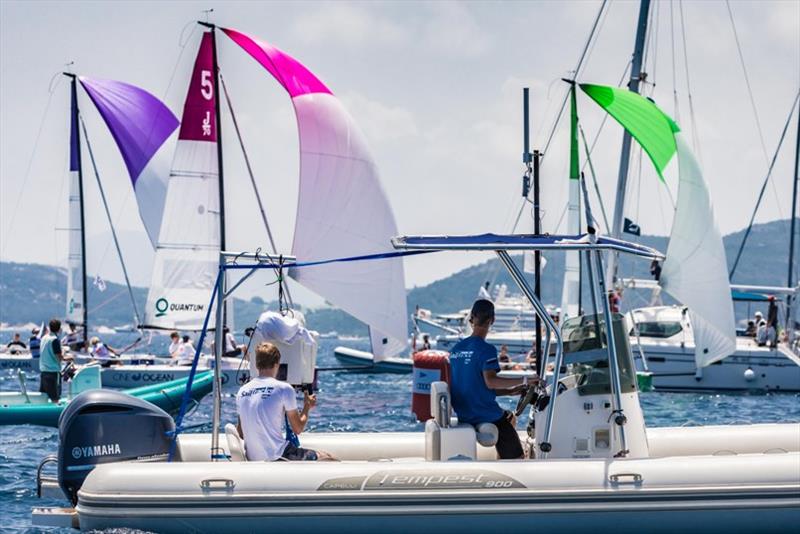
[187,253]
[75,279]
[696,270]
[570,293]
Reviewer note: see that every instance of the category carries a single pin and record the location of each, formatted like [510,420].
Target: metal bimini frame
[591,243]
[230,261]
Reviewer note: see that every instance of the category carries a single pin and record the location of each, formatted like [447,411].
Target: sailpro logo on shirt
[265,391]
[465,355]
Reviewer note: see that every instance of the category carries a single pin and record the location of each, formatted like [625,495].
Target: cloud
[380,122]
[348,24]
[453,30]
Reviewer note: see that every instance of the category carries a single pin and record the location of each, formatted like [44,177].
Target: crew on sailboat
[35,342]
[74,338]
[475,385]
[16,343]
[50,362]
[102,353]
[174,345]
[265,404]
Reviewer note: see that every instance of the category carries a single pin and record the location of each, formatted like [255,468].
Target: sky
[435,86]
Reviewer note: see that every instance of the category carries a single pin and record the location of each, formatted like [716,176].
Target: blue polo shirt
[472,401]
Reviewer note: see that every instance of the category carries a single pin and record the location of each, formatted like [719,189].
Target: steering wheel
[525,399]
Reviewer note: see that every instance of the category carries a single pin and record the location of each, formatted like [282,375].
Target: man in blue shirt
[474,383]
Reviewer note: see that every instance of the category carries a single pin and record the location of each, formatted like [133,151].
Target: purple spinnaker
[139,122]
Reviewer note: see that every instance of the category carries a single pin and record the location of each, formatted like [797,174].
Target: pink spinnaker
[342,207]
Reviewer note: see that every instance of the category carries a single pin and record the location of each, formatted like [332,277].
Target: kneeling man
[265,404]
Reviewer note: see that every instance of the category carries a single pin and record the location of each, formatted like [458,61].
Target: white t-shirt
[186,354]
[174,347]
[262,403]
[230,342]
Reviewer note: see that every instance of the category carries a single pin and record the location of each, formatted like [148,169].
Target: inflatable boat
[34,408]
[590,462]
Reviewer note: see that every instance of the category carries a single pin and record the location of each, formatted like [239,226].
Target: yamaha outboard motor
[103,426]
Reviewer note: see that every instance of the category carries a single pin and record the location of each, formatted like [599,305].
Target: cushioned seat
[235,443]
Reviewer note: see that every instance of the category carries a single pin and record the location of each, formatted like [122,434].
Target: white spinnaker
[75,279]
[695,271]
[343,211]
[570,293]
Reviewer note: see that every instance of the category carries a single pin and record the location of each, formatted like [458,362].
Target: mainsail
[75,260]
[140,124]
[570,294]
[187,253]
[342,208]
[695,271]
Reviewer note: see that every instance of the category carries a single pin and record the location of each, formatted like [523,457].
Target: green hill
[32,292]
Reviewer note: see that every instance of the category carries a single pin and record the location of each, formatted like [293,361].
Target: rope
[763,188]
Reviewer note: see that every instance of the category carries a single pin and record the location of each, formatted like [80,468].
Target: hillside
[32,293]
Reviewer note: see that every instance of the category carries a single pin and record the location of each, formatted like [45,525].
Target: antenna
[207,12]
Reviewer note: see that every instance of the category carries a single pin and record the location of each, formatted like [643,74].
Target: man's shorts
[508,445]
[296,454]
[50,384]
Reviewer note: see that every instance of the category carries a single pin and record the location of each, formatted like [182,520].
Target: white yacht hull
[749,369]
[708,479]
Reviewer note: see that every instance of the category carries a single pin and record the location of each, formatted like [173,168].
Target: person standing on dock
[50,362]
[474,384]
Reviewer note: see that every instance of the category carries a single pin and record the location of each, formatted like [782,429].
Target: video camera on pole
[297,345]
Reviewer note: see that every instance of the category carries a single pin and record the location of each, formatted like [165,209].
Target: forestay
[141,126]
[342,206]
[187,253]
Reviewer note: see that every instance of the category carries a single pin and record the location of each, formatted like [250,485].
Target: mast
[625,155]
[221,182]
[531,162]
[75,161]
[790,277]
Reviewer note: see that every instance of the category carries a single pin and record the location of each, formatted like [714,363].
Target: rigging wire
[764,187]
[747,81]
[676,107]
[110,222]
[692,119]
[252,176]
[51,90]
[577,73]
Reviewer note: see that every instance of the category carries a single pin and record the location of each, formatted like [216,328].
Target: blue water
[352,403]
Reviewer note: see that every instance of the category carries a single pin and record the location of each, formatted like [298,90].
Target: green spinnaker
[653,129]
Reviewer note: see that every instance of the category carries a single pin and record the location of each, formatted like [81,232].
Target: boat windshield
[586,354]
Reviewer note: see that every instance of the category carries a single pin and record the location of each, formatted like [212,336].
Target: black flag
[631,227]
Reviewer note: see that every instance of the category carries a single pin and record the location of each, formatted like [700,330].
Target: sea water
[347,402]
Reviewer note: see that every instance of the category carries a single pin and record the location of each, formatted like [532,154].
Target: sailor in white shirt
[174,344]
[264,405]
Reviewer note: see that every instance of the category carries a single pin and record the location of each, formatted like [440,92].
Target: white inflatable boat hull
[706,479]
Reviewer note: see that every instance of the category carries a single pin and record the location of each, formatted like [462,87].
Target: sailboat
[339,190]
[141,126]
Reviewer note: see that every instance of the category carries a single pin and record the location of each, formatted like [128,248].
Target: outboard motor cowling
[103,426]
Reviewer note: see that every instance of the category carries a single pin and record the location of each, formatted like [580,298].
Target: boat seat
[235,443]
[445,438]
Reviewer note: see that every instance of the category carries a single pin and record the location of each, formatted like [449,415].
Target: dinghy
[35,408]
